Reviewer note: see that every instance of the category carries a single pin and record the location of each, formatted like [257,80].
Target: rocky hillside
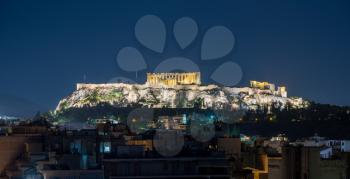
[210,96]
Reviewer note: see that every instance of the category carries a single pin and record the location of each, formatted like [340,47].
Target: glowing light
[184,119]
[105,147]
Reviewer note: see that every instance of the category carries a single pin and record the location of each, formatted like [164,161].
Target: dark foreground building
[112,151]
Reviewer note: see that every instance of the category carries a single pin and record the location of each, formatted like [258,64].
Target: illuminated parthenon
[172,79]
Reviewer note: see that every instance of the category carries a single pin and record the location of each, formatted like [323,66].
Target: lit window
[105,147]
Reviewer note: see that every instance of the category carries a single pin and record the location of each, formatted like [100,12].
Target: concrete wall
[275,168]
[231,146]
[10,148]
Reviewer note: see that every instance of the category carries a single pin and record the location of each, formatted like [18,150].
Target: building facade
[172,79]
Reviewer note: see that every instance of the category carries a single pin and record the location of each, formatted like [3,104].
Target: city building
[317,141]
[231,146]
[301,162]
[179,167]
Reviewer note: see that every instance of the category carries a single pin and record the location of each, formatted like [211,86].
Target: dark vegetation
[326,120]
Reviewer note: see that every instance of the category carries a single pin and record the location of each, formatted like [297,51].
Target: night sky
[46,47]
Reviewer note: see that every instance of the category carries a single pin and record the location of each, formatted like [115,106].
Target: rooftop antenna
[136,75]
[84,78]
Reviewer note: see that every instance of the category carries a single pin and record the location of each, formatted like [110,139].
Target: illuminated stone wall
[106,85]
[172,79]
[281,90]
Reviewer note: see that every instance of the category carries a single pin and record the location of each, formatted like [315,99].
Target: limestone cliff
[182,96]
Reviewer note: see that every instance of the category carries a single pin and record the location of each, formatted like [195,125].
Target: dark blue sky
[46,47]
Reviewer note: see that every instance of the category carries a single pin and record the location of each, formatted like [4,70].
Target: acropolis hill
[179,90]
[160,79]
